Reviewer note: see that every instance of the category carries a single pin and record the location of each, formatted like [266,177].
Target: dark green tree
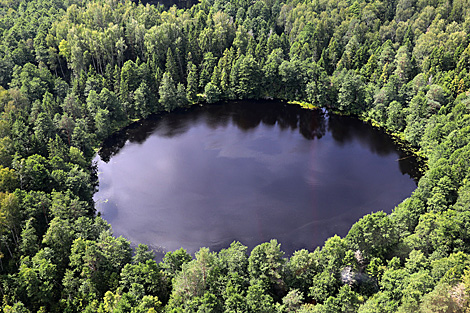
[167,93]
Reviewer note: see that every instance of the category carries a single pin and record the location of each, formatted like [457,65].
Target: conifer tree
[171,67]
[167,92]
[191,89]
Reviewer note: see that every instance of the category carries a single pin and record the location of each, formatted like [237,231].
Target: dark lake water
[247,171]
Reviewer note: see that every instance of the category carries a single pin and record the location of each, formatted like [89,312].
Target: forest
[72,72]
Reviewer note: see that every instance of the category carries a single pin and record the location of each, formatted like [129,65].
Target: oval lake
[247,171]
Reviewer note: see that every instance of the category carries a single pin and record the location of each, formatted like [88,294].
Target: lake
[247,171]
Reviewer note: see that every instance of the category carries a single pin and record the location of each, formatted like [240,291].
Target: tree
[346,301]
[191,88]
[142,101]
[6,151]
[8,180]
[33,82]
[142,254]
[318,90]
[405,9]
[249,78]
[195,277]
[266,265]
[258,300]
[102,123]
[352,94]
[234,259]
[44,128]
[18,307]
[34,173]
[416,113]
[59,237]
[436,97]
[403,64]
[292,301]
[293,83]
[167,92]
[29,240]
[235,301]
[174,261]
[323,286]
[10,221]
[404,67]
[95,265]
[81,138]
[208,65]
[128,82]
[301,268]
[110,102]
[58,149]
[395,117]
[439,300]
[171,67]
[417,285]
[374,235]
[212,93]
[20,134]
[36,277]
[181,95]
[271,77]
[144,279]
[66,205]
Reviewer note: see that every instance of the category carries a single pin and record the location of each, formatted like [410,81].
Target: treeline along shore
[73,72]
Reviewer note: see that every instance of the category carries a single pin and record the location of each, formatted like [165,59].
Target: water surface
[247,171]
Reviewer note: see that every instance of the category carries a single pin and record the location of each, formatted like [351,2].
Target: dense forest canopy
[74,71]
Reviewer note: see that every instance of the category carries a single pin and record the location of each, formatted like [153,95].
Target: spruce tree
[191,89]
[167,92]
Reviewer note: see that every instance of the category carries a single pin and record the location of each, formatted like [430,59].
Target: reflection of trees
[166,125]
[313,125]
[247,115]
[346,129]
[410,165]
[111,146]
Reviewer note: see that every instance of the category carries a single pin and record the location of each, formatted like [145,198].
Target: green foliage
[8,180]
[265,264]
[351,93]
[36,279]
[302,268]
[142,254]
[173,261]
[192,86]
[212,93]
[439,300]
[167,93]
[73,72]
[258,300]
[144,279]
[195,278]
[375,235]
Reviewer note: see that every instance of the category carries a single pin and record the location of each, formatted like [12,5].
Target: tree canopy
[73,72]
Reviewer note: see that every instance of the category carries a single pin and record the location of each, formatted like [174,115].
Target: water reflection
[247,171]
[246,115]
